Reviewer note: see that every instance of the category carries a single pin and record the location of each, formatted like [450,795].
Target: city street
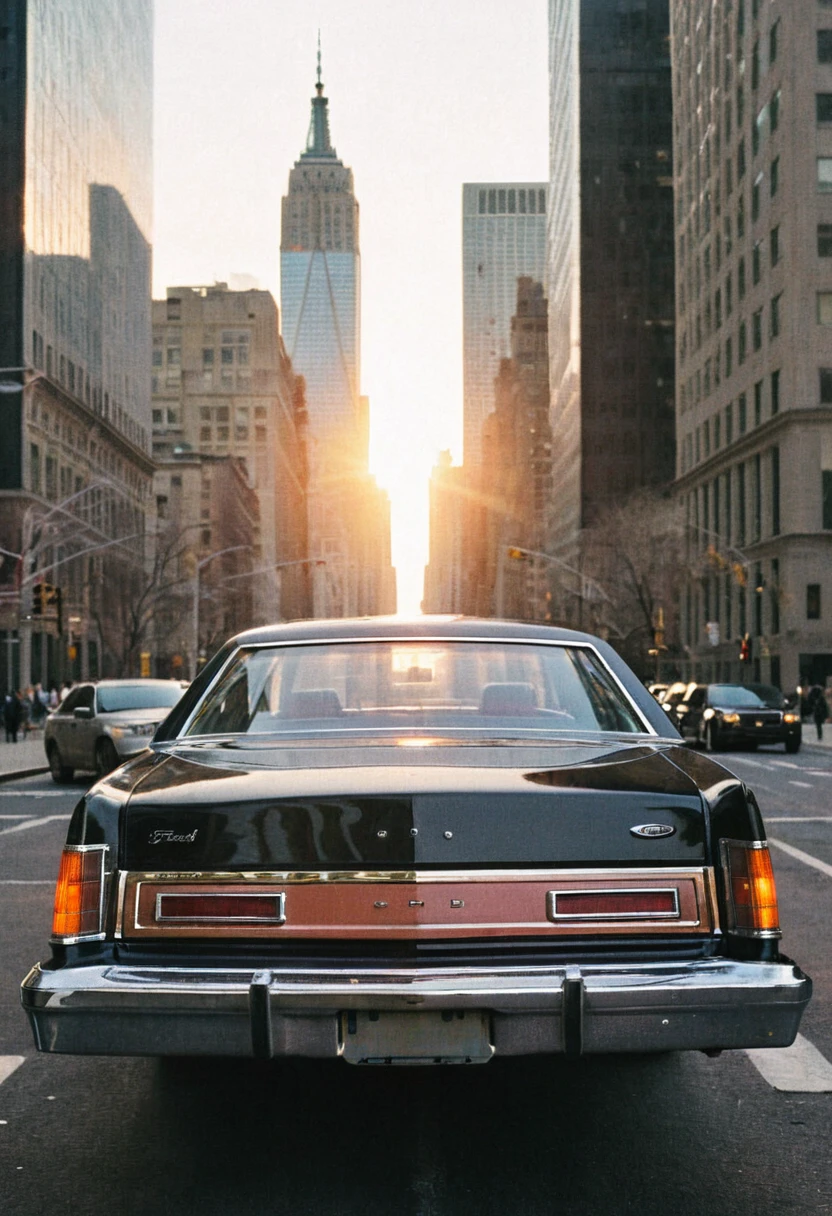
[603,1135]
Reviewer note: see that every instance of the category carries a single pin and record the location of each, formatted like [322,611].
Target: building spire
[318,142]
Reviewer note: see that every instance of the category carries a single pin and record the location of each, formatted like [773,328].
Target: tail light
[79,894]
[750,890]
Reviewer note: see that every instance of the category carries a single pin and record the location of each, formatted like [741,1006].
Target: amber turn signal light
[79,893]
[750,890]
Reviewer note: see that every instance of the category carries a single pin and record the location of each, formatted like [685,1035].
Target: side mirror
[83,712]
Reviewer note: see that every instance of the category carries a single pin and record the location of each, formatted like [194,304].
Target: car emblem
[649,830]
[166,836]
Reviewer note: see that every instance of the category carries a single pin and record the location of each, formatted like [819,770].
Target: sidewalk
[24,758]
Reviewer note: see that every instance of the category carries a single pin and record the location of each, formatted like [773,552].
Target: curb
[24,772]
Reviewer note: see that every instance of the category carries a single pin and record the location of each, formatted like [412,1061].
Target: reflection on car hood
[393,807]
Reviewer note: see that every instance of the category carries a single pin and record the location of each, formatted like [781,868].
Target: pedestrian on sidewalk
[12,714]
[819,710]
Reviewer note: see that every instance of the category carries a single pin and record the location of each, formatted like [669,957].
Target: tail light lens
[79,893]
[750,890]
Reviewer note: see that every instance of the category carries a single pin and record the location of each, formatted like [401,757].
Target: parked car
[717,716]
[96,726]
[423,841]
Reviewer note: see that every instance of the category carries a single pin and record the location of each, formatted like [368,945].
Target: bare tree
[133,607]
[636,552]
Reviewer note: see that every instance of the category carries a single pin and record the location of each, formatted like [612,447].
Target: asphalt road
[651,1135]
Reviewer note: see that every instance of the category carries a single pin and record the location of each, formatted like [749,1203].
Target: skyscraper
[320,294]
[610,257]
[75,431]
[320,283]
[753,158]
[503,238]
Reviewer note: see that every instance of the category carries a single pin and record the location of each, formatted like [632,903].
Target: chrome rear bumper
[705,1004]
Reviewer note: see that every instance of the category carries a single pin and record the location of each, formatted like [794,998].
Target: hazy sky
[423,96]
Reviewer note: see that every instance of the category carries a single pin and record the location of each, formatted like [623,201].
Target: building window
[824,181]
[174,310]
[740,160]
[157,358]
[826,386]
[774,245]
[741,411]
[775,600]
[757,329]
[825,307]
[729,423]
[481,202]
[758,402]
[825,240]
[755,197]
[823,107]
[773,35]
[774,111]
[826,489]
[813,601]
[741,278]
[774,316]
[728,357]
[775,491]
[742,344]
[775,392]
[741,504]
[824,46]
[774,176]
[756,262]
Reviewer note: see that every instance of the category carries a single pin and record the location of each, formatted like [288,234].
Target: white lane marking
[32,823]
[797,818]
[800,1068]
[804,785]
[33,793]
[745,760]
[28,815]
[806,858]
[27,882]
[783,764]
[817,772]
[8,1064]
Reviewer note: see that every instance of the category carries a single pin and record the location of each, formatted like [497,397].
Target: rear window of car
[433,686]
[137,696]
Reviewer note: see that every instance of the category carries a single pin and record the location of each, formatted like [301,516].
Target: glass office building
[610,256]
[503,239]
[75,334]
[320,282]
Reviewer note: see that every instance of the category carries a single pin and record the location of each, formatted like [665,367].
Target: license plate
[425,1037]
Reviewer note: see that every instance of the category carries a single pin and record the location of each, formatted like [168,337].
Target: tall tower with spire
[320,298]
[320,286]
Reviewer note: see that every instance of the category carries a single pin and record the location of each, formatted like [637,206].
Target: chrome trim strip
[120,897]
[553,914]
[408,639]
[278,919]
[421,876]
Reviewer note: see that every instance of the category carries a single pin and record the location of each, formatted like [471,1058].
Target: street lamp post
[195,618]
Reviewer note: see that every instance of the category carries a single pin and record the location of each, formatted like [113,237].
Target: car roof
[356,628]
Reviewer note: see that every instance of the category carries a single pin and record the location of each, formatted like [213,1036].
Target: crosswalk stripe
[7,1066]
[800,1068]
[806,858]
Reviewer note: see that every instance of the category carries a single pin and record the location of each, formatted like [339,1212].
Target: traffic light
[745,648]
[519,555]
[47,599]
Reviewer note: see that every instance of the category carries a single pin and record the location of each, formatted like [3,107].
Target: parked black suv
[718,716]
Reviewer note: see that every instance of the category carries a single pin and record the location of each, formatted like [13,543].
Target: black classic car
[718,716]
[413,842]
